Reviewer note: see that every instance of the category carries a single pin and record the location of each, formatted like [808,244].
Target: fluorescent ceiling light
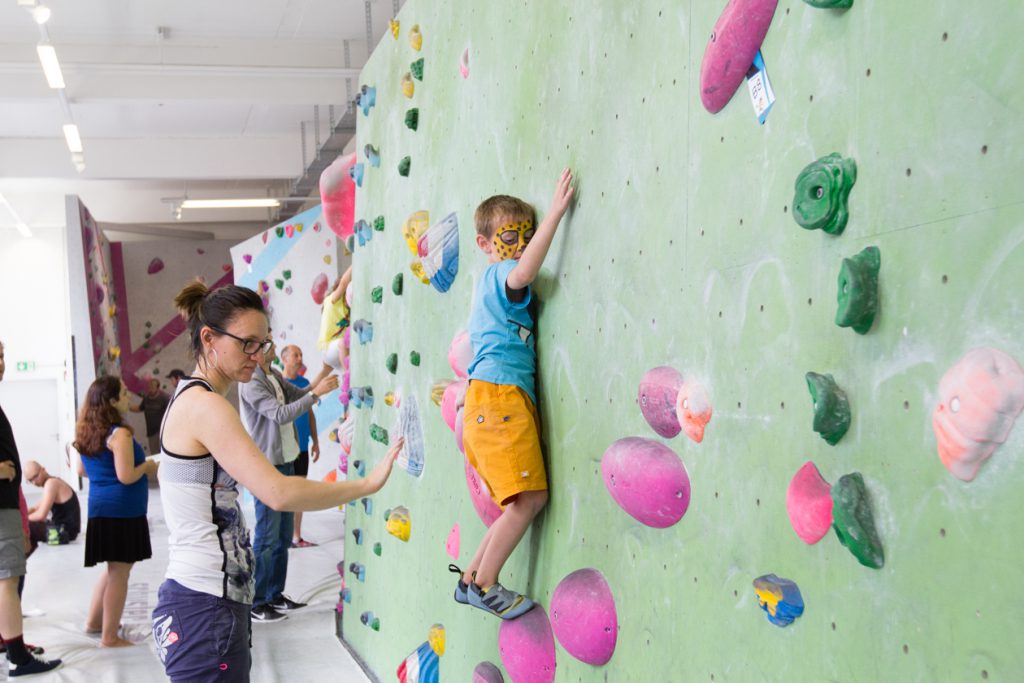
[230,204]
[73,139]
[51,67]
[41,14]
[28,3]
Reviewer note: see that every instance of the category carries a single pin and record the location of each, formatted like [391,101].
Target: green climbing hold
[378,223]
[279,283]
[392,363]
[854,522]
[287,275]
[831,407]
[403,166]
[417,69]
[412,119]
[414,358]
[822,190]
[858,290]
[279,230]
[378,433]
[396,285]
[376,549]
[377,295]
[830,4]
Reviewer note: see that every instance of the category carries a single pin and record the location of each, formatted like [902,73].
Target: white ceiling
[173,97]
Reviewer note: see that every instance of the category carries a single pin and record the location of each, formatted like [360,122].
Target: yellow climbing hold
[417,269]
[435,636]
[408,87]
[437,391]
[395,26]
[327,259]
[415,226]
[399,523]
[389,399]
[415,37]
[299,227]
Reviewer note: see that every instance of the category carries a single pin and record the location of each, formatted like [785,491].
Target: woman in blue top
[117,532]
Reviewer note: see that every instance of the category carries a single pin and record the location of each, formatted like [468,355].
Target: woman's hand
[380,473]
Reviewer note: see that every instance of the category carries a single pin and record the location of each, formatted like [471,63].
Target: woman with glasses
[202,623]
[117,532]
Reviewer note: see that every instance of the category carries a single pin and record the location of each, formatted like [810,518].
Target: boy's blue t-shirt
[301,423]
[501,332]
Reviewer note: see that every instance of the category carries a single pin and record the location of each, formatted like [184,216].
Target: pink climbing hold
[485,672]
[289,230]
[583,616]
[464,63]
[657,395]
[247,258]
[693,409]
[155,266]
[454,398]
[451,546]
[338,196]
[485,507]
[319,289]
[226,267]
[979,399]
[648,480]
[528,647]
[809,504]
[735,39]
[460,353]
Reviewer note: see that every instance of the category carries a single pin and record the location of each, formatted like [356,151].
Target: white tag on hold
[761,94]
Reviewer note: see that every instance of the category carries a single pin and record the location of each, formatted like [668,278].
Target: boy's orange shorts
[501,435]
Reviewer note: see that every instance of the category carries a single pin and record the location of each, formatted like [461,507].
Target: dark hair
[97,416]
[201,307]
[498,207]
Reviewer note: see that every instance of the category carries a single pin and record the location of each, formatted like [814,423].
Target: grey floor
[300,648]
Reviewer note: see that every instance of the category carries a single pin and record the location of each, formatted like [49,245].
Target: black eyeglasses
[249,346]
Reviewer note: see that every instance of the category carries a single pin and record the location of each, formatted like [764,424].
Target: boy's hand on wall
[563,193]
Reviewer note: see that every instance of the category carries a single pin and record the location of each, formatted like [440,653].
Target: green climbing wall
[682,251]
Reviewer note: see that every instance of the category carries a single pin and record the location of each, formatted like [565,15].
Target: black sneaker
[284,604]
[32,666]
[265,614]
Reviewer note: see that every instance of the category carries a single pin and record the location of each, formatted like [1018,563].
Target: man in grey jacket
[269,406]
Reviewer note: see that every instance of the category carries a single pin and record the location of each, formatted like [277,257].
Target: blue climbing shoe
[461,589]
[500,601]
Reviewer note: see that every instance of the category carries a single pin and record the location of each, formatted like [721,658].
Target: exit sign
[25,365]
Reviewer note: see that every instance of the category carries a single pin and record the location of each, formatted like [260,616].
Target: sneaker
[284,604]
[500,601]
[266,614]
[461,588]
[303,543]
[32,666]
[32,649]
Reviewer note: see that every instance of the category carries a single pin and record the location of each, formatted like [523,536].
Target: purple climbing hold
[155,266]
[583,616]
[247,258]
[528,647]
[648,480]
[485,672]
[659,388]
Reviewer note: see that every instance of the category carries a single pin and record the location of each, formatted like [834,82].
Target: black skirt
[117,539]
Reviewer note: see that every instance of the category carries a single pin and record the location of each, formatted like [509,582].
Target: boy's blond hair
[500,209]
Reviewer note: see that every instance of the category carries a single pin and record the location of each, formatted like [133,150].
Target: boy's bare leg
[10,608]
[505,534]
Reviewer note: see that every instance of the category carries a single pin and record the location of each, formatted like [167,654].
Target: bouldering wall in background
[100,294]
[292,265]
[682,251]
[147,276]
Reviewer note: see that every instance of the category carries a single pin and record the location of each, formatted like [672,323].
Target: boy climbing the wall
[501,431]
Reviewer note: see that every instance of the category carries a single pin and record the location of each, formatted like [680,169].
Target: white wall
[34,328]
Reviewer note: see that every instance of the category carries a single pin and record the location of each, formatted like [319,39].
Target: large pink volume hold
[979,399]
[659,388]
[453,398]
[735,40]
[583,616]
[648,480]
[338,196]
[460,353]
[809,504]
[528,648]
[485,507]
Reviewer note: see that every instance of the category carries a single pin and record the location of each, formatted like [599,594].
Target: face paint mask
[511,237]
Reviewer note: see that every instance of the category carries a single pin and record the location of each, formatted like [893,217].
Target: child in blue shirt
[501,431]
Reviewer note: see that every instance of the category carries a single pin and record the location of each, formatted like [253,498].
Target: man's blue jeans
[273,539]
